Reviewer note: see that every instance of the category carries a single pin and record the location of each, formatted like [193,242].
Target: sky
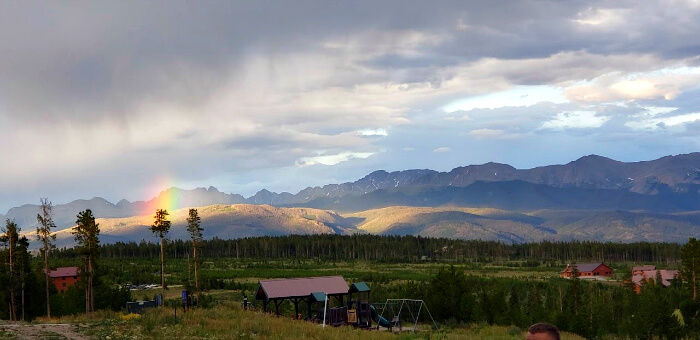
[124,99]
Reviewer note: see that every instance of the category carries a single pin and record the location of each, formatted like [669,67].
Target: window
[64,284]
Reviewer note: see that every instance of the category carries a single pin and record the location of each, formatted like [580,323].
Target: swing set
[396,310]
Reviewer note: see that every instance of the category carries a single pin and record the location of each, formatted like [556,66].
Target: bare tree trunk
[13,304]
[23,300]
[92,287]
[196,267]
[162,268]
[46,271]
[88,287]
[87,295]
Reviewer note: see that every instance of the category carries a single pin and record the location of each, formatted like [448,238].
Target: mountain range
[661,188]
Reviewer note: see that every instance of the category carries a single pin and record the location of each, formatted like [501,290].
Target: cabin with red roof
[64,277]
[643,277]
[587,270]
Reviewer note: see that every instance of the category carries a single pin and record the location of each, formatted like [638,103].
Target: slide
[378,318]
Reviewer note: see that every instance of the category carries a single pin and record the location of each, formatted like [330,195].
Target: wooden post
[296,308]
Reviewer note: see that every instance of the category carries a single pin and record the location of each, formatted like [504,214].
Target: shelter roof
[359,287]
[585,267]
[301,287]
[63,272]
[643,268]
[317,296]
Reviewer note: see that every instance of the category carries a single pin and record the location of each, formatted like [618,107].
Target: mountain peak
[595,159]
[377,174]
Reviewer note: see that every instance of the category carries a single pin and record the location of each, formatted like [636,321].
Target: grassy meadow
[227,320]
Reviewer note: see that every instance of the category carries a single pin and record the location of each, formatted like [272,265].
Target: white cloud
[516,96]
[442,149]
[332,159]
[575,120]
[665,83]
[602,17]
[486,133]
[655,122]
[373,132]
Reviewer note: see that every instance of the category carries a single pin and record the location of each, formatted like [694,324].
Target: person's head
[543,331]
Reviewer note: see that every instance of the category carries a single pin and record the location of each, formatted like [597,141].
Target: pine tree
[690,255]
[11,238]
[87,234]
[43,234]
[161,227]
[195,230]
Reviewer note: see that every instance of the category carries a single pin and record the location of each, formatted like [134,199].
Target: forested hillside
[399,249]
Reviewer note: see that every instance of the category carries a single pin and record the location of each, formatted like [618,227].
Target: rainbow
[170,199]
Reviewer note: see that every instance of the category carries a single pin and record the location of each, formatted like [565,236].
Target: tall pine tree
[195,230]
[161,227]
[87,237]
[43,234]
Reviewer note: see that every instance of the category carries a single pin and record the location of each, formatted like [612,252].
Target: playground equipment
[329,300]
[381,321]
[398,309]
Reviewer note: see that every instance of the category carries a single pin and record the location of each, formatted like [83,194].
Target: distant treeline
[398,249]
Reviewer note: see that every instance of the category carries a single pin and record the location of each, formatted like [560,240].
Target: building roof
[650,275]
[359,287]
[585,267]
[301,287]
[317,296]
[643,268]
[63,272]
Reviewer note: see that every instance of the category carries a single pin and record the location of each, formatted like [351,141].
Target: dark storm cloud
[223,89]
[110,56]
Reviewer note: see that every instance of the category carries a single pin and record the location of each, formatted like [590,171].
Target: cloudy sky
[123,99]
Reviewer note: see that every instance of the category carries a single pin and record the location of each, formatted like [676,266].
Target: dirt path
[42,331]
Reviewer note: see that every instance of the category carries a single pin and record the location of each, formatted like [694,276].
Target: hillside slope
[508,226]
[511,195]
[452,222]
[236,221]
[222,221]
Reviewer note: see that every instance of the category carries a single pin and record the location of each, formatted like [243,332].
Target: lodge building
[64,277]
[587,270]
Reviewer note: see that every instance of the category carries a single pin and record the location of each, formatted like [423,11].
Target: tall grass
[228,321]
